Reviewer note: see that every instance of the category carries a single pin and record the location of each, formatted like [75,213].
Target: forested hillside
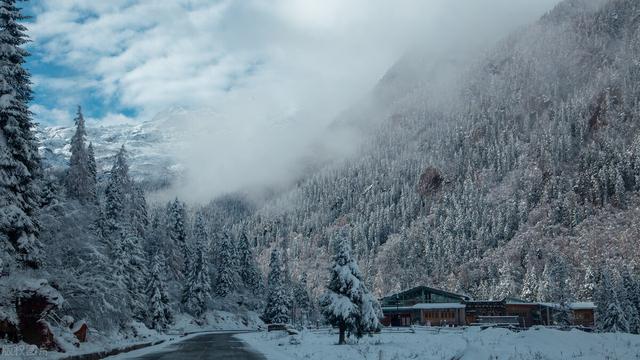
[523,185]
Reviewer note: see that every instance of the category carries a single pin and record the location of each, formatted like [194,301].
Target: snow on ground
[447,344]
[217,320]
[184,324]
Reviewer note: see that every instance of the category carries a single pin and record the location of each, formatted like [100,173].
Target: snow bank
[447,344]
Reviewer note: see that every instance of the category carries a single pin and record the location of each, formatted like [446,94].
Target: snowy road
[205,347]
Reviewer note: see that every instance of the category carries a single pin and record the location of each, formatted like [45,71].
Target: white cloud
[255,62]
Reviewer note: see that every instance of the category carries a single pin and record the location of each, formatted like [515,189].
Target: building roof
[426,306]
[583,305]
[408,292]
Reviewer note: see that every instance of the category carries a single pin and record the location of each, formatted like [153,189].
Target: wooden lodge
[428,306]
[424,306]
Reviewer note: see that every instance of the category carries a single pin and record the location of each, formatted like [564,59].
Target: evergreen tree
[247,266]
[226,280]
[19,159]
[80,180]
[530,285]
[91,162]
[630,300]
[302,300]
[197,290]
[585,292]
[117,194]
[278,305]
[347,303]
[159,313]
[130,271]
[610,310]
[138,218]
[176,230]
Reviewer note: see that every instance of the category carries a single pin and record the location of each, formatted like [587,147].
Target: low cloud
[271,74]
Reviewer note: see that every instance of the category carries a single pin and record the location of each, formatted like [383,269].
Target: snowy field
[451,344]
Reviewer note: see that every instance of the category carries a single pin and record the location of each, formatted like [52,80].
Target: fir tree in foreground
[608,297]
[19,160]
[302,300]
[226,281]
[179,256]
[117,195]
[91,162]
[81,179]
[159,313]
[278,305]
[348,304]
[197,290]
[248,268]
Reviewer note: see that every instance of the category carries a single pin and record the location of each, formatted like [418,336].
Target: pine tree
[159,313]
[629,300]
[610,312]
[347,303]
[530,285]
[19,159]
[176,229]
[247,266]
[80,180]
[278,305]
[226,280]
[138,218]
[91,162]
[117,195]
[197,291]
[585,292]
[130,270]
[302,300]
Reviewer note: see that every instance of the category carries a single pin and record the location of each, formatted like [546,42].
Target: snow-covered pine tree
[91,162]
[247,266]
[176,230]
[278,305]
[302,300]
[19,160]
[197,291]
[80,180]
[610,313]
[585,292]
[227,277]
[348,304]
[130,270]
[138,218]
[530,284]
[630,300]
[159,312]
[117,195]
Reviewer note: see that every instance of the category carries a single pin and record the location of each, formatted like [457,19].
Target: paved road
[206,347]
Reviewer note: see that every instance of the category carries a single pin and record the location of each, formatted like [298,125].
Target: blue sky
[254,60]
[96,106]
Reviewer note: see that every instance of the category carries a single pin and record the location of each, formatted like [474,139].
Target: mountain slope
[539,147]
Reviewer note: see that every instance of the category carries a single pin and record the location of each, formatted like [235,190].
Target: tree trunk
[342,331]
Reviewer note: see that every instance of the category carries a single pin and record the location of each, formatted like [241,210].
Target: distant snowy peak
[147,144]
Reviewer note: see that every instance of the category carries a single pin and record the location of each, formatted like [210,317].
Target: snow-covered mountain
[147,143]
